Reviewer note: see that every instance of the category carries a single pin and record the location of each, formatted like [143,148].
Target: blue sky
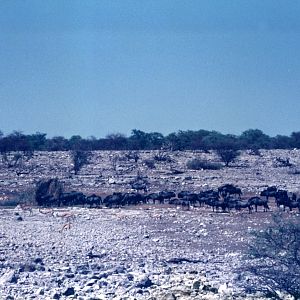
[100,67]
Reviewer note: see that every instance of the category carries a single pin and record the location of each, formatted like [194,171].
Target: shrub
[228,155]
[282,162]
[150,163]
[163,157]
[275,257]
[79,158]
[254,151]
[198,164]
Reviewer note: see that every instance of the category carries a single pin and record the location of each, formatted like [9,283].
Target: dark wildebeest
[269,192]
[180,202]
[281,197]
[132,199]
[292,204]
[93,200]
[72,198]
[155,197]
[114,200]
[243,204]
[257,201]
[138,186]
[192,198]
[205,196]
[167,195]
[228,190]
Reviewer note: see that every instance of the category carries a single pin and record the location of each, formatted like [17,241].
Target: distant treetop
[139,140]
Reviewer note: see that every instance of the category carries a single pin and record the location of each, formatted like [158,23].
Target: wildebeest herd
[224,199]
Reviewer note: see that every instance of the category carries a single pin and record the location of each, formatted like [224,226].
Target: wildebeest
[281,197]
[93,200]
[228,190]
[132,199]
[139,186]
[72,198]
[257,201]
[269,192]
[114,200]
[292,204]
[167,195]
[243,204]
[180,202]
[155,197]
[205,197]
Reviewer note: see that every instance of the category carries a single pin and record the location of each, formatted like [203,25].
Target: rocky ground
[144,252]
[110,171]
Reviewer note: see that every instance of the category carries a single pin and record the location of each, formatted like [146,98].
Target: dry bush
[274,255]
[199,164]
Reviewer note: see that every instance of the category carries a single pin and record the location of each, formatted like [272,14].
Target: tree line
[140,140]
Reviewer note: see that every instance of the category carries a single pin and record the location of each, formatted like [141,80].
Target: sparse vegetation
[199,164]
[275,257]
[79,158]
[228,155]
[163,157]
[282,162]
[150,163]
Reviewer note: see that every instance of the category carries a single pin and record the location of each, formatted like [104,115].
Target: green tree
[295,139]
[116,141]
[255,138]
[281,142]
[138,140]
[228,155]
[57,143]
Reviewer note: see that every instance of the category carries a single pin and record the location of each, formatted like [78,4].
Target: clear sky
[107,66]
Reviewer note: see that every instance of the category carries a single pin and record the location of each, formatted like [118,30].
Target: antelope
[26,207]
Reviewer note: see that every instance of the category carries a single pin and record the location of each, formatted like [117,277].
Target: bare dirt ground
[144,252]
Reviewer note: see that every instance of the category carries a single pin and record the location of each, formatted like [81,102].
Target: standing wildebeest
[139,186]
[155,197]
[132,199]
[292,204]
[243,204]
[93,200]
[257,201]
[281,197]
[114,200]
[180,202]
[72,198]
[269,192]
[192,198]
[205,196]
[167,195]
[228,190]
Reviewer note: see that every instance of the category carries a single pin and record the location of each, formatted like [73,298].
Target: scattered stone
[69,291]
[144,282]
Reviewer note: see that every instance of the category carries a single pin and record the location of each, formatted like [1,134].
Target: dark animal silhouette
[257,201]
[180,202]
[93,200]
[167,195]
[155,197]
[269,192]
[138,186]
[243,204]
[114,200]
[228,190]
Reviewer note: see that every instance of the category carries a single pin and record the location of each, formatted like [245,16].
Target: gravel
[143,252]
